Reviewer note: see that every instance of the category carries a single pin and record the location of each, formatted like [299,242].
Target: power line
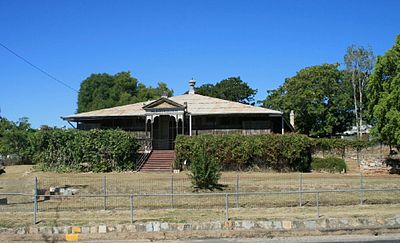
[38,68]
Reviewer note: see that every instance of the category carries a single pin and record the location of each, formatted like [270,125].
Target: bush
[329,164]
[76,150]
[289,152]
[205,173]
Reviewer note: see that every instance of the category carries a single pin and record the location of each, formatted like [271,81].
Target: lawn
[210,207]
[21,179]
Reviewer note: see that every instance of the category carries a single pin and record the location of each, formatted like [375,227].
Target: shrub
[205,173]
[329,164]
[289,152]
[76,150]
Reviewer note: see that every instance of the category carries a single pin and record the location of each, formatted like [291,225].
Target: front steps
[159,161]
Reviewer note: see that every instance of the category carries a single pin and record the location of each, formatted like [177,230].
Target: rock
[33,230]
[310,224]
[85,230]
[149,227]
[93,229]
[277,224]
[119,228]
[156,226]
[265,224]
[164,226]
[287,225]
[102,229]
[247,224]
[21,231]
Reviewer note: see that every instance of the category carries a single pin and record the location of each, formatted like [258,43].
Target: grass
[187,208]
[21,179]
[81,217]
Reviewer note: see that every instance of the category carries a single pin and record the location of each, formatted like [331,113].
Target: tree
[148,93]
[319,98]
[15,138]
[232,88]
[359,63]
[104,90]
[205,172]
[384,96]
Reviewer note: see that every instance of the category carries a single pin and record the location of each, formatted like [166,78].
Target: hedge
[77,150]
[329,164]
[289,152]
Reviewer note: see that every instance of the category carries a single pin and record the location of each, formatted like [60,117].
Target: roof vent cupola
[192,83]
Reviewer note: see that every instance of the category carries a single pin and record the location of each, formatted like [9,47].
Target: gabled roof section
[205,105]
[163,103]
[118,111]
[195,105]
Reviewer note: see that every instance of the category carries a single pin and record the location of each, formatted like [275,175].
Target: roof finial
[192,83]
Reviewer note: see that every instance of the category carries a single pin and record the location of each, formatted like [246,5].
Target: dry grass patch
[17,219]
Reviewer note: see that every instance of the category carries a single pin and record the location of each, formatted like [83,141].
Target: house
[158,122]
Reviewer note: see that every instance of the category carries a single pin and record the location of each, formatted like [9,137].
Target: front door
[164,132]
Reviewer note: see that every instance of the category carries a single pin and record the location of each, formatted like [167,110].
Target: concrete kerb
[164,228]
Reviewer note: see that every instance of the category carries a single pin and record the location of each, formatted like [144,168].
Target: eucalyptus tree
[359,63]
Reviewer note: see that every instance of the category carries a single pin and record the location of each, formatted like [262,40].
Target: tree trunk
[353,80]
[361,88]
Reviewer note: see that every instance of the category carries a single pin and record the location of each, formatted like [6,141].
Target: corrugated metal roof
[196,105]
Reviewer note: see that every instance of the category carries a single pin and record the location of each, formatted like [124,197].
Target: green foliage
[76,150]
[232,88]
[289,152]
[384,96]
[205,172]
[320,100]
[329,164]
[104,90]
[15,138]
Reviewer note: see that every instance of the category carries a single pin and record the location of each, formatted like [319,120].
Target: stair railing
[147,149]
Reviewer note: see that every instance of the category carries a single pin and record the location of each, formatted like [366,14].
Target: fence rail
[129,202]
[175,192]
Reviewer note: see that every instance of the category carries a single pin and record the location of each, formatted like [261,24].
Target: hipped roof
[196,105]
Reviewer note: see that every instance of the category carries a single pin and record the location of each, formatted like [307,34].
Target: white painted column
[190,124]
[283,125]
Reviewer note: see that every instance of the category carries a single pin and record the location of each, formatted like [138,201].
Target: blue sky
[263,42]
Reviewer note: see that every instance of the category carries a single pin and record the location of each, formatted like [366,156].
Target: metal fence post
[361,189]
[35,201]
[131,206]
[301,189]
[226,207]
[105,192]
[237,190]
[172,191]
[317,204]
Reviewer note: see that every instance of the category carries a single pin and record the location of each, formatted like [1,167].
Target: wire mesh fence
[133,192]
